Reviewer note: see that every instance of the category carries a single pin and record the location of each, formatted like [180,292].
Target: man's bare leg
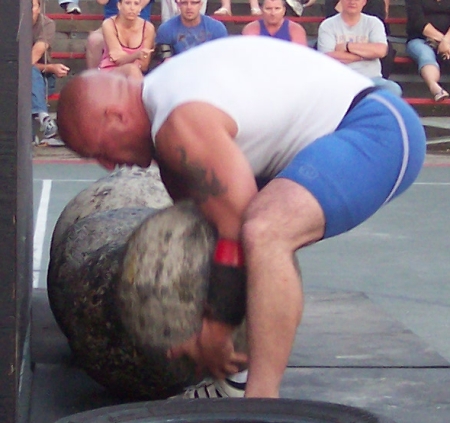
[283,217]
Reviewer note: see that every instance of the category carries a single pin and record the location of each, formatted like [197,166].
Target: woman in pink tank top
[129,41]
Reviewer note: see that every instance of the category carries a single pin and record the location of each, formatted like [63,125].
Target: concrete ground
[377,318]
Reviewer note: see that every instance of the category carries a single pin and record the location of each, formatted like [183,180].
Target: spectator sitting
[43,73]
[96,43]
[187,30]
[428,30]
[129,40]
[274,24]
[169,9]
[358,40]
[71,7]
[380,9]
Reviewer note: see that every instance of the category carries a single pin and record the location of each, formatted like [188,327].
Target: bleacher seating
[417,95]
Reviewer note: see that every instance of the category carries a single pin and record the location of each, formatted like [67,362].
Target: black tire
[227,411]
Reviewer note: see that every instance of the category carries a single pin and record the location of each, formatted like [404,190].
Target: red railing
[234,19]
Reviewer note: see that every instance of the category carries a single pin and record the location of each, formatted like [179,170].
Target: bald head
[102,112]
[82,101]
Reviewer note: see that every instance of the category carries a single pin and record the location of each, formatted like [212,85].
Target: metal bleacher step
[73,30]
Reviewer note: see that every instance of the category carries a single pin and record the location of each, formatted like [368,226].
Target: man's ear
[115,115]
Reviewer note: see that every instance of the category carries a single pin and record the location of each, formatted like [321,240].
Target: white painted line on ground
[432,183]
[66,180]
[41,225]
[440,140]
[36,276]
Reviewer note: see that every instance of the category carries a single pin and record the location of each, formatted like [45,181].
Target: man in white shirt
[357,40]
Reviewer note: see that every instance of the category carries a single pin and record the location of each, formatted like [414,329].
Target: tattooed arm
[196,147]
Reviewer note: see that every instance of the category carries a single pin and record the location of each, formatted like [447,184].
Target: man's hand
[340,47]
[58,69]
[212,349]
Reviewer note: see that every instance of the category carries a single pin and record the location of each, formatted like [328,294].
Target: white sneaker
[296,5]
[72,8]
[214,388]
[48,127]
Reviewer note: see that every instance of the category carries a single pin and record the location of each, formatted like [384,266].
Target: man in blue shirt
[189,29]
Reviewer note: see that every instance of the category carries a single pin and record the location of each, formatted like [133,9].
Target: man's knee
[37,82]
[263,222]
[257,230]
[285,213]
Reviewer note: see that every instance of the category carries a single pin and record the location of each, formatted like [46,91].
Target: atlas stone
[164,277]
[125,283]
[125,187]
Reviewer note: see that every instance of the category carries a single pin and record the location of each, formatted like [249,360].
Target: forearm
[344,57]
[367,51]
[226,296]
[44,67]
[431,32]
[120,57]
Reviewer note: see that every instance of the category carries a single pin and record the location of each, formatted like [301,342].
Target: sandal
[223,11]
[441,95]
[255,11]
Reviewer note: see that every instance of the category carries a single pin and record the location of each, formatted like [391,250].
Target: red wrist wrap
[229,253]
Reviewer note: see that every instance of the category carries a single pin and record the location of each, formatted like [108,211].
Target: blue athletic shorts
[374,155]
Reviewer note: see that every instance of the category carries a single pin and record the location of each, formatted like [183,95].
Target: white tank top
[282,96]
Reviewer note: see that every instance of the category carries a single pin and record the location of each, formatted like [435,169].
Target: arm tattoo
[201,186]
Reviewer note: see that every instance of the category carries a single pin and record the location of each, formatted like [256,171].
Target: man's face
[190,9]
[353,7]
[111,151]
[112,147]
[129,9]
[36,10]
[273,12]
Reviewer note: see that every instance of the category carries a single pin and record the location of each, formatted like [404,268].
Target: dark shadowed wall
[16,219]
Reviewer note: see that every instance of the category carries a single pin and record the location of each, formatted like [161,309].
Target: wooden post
[16,215]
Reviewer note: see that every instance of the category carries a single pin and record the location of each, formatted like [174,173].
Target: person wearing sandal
[428,43]
[225,9]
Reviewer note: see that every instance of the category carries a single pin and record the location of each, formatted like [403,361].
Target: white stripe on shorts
[404,132]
